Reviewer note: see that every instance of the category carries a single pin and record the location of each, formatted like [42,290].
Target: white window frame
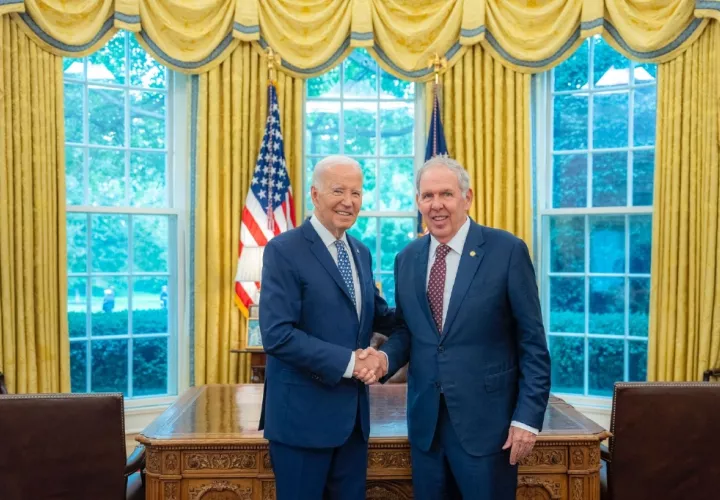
[597,407]
[140,411]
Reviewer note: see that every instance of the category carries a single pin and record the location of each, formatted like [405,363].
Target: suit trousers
[448,472]
[321,473]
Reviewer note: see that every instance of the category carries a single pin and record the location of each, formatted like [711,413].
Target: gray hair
[327,162]
[445,161]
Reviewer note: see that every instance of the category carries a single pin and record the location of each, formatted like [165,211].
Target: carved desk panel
[206,446]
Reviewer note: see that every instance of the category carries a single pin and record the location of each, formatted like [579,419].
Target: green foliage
[116,323]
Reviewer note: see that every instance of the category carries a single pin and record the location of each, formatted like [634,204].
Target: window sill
[140,413]
[597,409]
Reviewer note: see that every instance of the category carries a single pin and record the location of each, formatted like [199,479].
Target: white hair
[327,162]
[445,161]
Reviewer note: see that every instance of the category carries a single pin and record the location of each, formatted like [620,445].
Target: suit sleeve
[534,358]
[397,348]
[280,311]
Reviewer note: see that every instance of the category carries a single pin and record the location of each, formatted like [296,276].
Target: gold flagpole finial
[438,64]
[272,60]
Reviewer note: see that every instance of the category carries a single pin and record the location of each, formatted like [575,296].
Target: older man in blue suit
[318,309]
[479,376]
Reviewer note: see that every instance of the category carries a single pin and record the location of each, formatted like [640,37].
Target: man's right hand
[370,365]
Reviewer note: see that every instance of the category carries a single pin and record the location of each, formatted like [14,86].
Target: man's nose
[436,204]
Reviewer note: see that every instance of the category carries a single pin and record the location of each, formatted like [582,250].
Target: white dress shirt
[452,262]
[329,240]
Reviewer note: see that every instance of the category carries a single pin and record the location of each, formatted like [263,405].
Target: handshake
[370,365]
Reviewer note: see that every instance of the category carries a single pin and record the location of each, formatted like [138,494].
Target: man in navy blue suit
[318,309]
[479,373]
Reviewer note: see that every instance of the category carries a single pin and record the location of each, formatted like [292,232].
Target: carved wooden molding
[388,459]
[153,461]
[552,487]
[267,464]
[198,492]
[171,491]
[220,461]
[389,490]
[594,457]
[542,456]
[268,490]
[171,463]
[578,457]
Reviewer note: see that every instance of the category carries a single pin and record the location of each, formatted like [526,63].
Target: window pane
[643,168]
[567,305]
[644,116]
[609,179]
[567,367]
[107,177]
[606,360]
[637,369]
[360,121]
[369,168]
[395,233]
[150,299]
[150,243]
[567,244]
[309,167]
[78,366]
[74,175]
[569,181]
[144,70]
[388,288]
[325,85]
[640,243]
[77,307]
[109,365]
[639,306]
[391,87]
[322,127]
[611,68]
[396,185]
[397,128]
[107,65]
[610,120]
[570,122]
[607,306]
[109,306]
[109,243]
[150,366]
[573,73]
[147,119]
[77,243]
[366,229]
[106,109]
[148,179]
[607,244]
[360,75]
[74,109]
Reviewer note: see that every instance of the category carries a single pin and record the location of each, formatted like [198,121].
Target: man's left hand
[522,443]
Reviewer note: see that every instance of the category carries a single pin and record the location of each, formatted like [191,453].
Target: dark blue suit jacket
[309,327]
[491,361]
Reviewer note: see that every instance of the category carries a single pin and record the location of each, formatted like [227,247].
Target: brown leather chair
[665,442]
[66,446]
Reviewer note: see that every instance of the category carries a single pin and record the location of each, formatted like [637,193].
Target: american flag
[436,145]
[269,208]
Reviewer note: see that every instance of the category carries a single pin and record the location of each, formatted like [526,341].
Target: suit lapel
[470,260]
[421,270]
[323,255]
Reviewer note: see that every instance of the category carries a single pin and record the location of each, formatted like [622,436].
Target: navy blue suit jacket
[491,361]
[310,327]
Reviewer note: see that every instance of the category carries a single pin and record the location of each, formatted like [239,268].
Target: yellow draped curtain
[229,107]
[684,337]
[34,346]
[486,117]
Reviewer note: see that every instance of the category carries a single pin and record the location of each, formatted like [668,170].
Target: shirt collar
[325,235]
[457,242]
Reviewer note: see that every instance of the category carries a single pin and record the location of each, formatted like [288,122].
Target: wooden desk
[206,446]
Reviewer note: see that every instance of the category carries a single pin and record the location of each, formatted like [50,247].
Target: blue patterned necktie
[343,264]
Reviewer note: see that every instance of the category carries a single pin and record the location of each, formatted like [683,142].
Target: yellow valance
[312,36]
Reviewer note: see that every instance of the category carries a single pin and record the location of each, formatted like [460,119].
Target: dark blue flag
[435,145]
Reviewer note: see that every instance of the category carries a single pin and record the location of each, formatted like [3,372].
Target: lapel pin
[472,253]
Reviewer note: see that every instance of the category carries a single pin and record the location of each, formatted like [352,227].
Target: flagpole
[271,58]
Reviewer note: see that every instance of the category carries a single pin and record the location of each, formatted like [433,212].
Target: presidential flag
[269,209]
[435,145]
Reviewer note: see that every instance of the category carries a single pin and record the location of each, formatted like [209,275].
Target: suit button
[441,349]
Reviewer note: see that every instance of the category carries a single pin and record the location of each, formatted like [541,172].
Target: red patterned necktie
[436,285]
